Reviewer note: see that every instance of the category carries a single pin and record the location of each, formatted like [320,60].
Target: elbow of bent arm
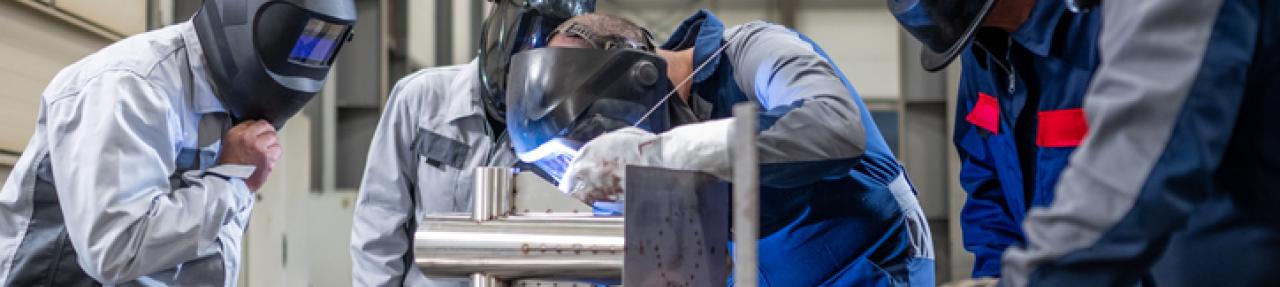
[848,124]
[858,136]
[108,250]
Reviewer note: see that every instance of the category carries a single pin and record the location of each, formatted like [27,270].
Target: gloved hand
[599,171]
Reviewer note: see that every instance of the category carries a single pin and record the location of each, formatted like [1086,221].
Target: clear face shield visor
[561,98]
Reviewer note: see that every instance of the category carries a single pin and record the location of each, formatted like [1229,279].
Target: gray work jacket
[432,135]
[118,183]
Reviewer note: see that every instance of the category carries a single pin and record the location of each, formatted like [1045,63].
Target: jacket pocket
[985,114]
[1061,128]
[440,151]
[440,160]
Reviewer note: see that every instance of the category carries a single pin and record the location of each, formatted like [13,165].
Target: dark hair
[602,30]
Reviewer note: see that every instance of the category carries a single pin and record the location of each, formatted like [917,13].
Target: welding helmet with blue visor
[560,98]
[944,27]
[266,58]
[513,26]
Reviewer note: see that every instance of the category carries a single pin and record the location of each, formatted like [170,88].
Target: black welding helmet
[560,98]
[513,26]
[944,27]
[268,58]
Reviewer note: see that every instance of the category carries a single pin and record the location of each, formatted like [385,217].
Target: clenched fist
[252,143]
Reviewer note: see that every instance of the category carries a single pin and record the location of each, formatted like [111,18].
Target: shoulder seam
[170,55]
[77,90]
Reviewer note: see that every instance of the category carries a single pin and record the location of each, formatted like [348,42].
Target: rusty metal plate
[677,228]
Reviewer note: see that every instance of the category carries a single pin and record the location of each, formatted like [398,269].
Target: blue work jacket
[1018,119]
[833,212]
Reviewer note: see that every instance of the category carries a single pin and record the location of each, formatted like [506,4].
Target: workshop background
[301,224]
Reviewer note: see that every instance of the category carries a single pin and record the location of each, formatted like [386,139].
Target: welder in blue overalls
[836,207]
[1026,65]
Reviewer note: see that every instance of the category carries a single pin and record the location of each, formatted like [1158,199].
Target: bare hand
[252,143]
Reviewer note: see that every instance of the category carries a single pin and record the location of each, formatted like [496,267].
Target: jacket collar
[203,99]
[705,34]
[464,100]
[1037,33]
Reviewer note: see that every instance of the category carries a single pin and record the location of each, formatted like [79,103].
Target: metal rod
[492,244]
[746,195]
[521,247]
[484,280]
[492,192]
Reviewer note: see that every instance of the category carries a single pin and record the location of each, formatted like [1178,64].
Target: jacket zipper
[1009,70]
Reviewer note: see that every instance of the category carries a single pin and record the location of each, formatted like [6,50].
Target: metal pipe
[484,280]
[521,247]
[492,192]
[505,196]
[746,195]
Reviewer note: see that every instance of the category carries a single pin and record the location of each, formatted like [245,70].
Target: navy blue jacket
[1175,184]
[1018,118]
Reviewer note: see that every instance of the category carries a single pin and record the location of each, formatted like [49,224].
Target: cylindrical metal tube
[484,280]
[521,247]
[492,191]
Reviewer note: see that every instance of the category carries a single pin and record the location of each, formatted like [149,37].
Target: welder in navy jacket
[1175,184]
[1018,112]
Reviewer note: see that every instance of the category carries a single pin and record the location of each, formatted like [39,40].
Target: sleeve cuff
[233,170]
[240,195]
[702,146]
[986,266]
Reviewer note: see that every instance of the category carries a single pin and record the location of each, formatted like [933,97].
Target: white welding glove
[599,171]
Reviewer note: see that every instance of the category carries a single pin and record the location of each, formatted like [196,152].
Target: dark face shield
[560,98]
[514,26]
[267,59]
[297,48]
[944,27]
[318,43]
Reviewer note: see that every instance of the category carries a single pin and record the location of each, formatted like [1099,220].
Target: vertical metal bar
[492,192]
[480,198]
[480,280]
[746,195]
[504,196]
